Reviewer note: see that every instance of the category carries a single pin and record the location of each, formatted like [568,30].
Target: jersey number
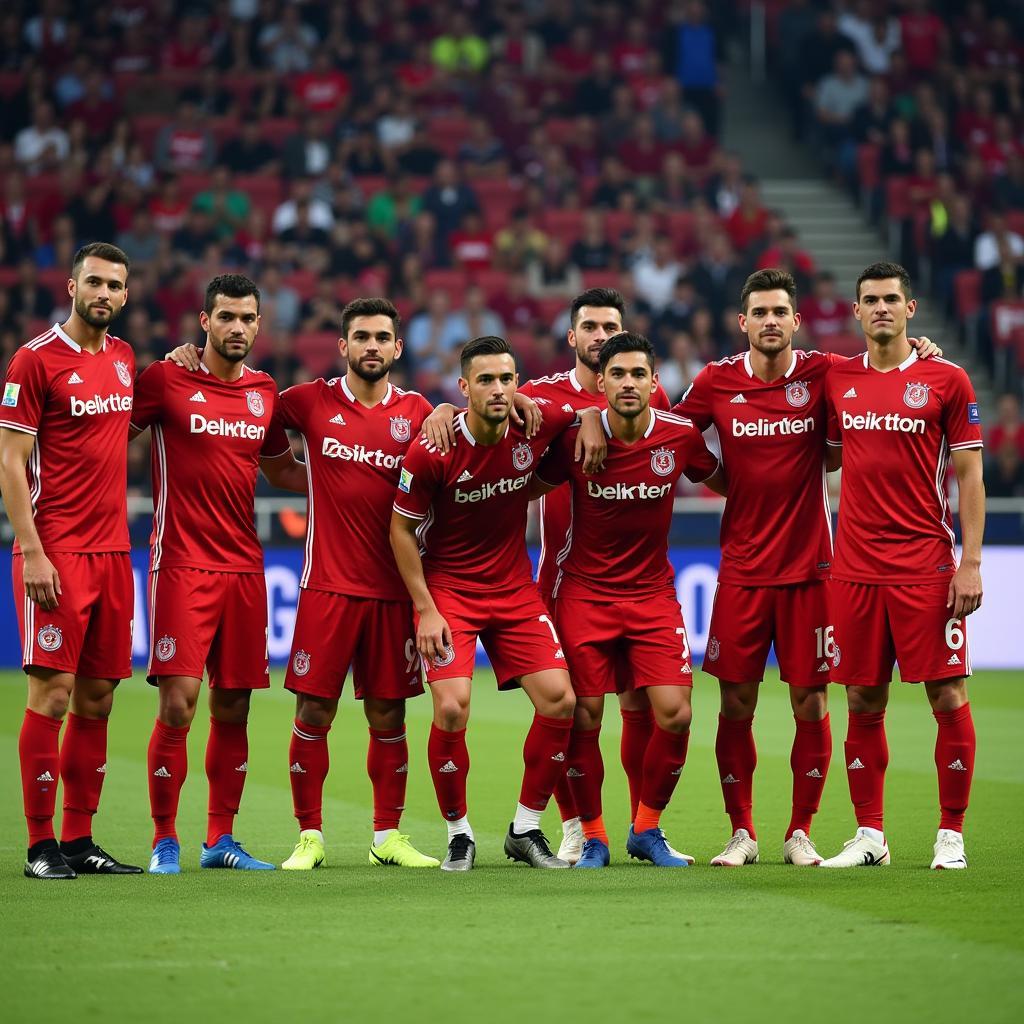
[412,656]
[954,635]
[681,632]
[826,642]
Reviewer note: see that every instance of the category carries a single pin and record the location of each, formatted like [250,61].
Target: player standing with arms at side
[615,601]
[63,475]
[212,433]
[897,591]
[458,532]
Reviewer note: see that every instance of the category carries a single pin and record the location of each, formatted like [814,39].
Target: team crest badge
[124,375]
[916,396]
[165,648]
[446,659]
[713,649]
[663,461]
[522,456]
[300,663]
[401,428]
[50,637]
[798,394]
[255,402]
[837,657]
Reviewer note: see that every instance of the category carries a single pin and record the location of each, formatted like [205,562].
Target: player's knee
[865,700]
[675,720]
[451,715]
[316,713]
[948,695]
[385,715]
[809,705]
[738,702]
[587,714]
[53,703]
[177,713]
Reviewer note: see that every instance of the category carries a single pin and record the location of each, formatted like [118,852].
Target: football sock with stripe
[387,764]
[308,762]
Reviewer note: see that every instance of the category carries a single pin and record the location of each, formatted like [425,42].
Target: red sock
[955,746]
[308,760]
[166,766]
[544,757]
[867,757]
[812,751]
[448,757]
[83,767]
[737,759]
[586,772]
[387,764]
[565,798]
[227,763]
[637,727]
[663,766]
[593,828]
[38,751]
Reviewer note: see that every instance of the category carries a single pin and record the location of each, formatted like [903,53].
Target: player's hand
[439,427]
[591,443]
[186,356]
[42,582]
[433,636]
[926,348]
[964,594]
[526,414]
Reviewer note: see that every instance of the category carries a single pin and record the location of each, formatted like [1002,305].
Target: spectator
[875,37]
[923,37]
[288,44]
[185,144]
[396,126]
[594,93]
[459,50]
[1005,278]
[227,207]
[747,224]
[1004,472]
[432,335]
[718,275]
[592,250]
[141,242]
[475,319]
[281,362]
[996,244]
[249,152]
[287,214]
[307,153]
[362,155]
[322,310]
[190,49]
[421,157]
[519,243]
[787,254]
[825,313]
[676,373]
[29,299]
[323,89]
[1009,189]
[517,309]
[1009,426]
[195,235]
[655,276]
[393,205]
[554,276]
[837,98]
[471,244]
[615,189]
[696,62]
[449,199]
[483,154]
[280,303]
[43,144]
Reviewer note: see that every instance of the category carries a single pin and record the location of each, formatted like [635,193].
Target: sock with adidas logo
[809,759]
[448,758]
[955,747]
[544,757]
[737,758]
[663,767]
[38,752]
[167,767]
[83,760]
[227,764]
[586,772]
[867,757]
[308,762]
[387,764]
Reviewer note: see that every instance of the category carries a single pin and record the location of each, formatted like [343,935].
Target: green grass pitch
[356,943]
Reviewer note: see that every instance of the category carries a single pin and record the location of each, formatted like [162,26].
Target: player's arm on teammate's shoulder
[701,465]
[926,348]
[42,583]
[591,442]
[552,471]
[439,427]
[965,586]
[433,634]
[695,403]
[187,356]
[285,471]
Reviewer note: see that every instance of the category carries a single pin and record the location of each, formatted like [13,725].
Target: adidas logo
[852,393]
[823,667]
[814,774]
[855,763]
[297,769]
[678,771]
[954,659]
[403,770]
[162,773]
[957,766]
[738,400]
[560,756]
[567,408]
[686,670]
[574,773]
[448,767]
[729,779]
[102,768]
[75,379]
[339,419]
[198,397]
[243,767]
[45,777]
[466,475]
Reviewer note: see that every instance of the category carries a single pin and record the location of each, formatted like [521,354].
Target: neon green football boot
[397,851]
[308,853]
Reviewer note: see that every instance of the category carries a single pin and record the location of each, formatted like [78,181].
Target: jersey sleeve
[555,467]
[276,442]
[421,476]
[291,407]
[696,401]
[422,411]
[25,388]
[659,399]
[833,435]
[961,420]
[699,462]
[148,400]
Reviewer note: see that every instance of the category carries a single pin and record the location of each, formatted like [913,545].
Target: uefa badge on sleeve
[663,461]
[798,394]
[255,402]
[124,375]
[916,396]
[401,428]
[50,637]
[165,648]
[11,394]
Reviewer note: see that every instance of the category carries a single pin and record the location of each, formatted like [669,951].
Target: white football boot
[572,841]
[740,850]
[867,849]
[799,850]
[949,851]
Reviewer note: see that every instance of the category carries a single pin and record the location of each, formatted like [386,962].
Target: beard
[225,353]
[491,414]
[94,317]
[629,412]
[770,346]
[371,376]
[591,360]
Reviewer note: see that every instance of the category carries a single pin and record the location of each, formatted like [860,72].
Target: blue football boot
[227,853]
[166,859]
[651,845]
[595,855]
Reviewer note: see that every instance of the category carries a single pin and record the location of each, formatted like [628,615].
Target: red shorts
[624,645]
[90,631]
[877,624]
[376,638]
[514,627]
[746,621]
[207,619]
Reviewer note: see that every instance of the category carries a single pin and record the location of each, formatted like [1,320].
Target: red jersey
[354,455]
[897,430]
[77,404]
[566,391]
[473,502]
[618,544]
[777,525]
[208,438]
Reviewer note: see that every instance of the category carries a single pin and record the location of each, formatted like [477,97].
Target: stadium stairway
[831,227]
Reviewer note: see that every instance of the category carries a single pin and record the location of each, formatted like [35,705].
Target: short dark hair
[881,271]
[369,307]
[768,280]
[608,297]
[102,251]
[231,286]
[627,341]
[488,345]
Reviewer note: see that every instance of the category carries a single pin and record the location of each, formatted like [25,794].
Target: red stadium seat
[551,308]
[445,279]
[263,190]
[869,170]
[967,294]
[679,225]
[304,282]
[842,344]
[897,198]
[493,282]
[318,350]
[617,223]
[448,133]
[1015,221]
[566,225]
[192,184]
[145,129]
[276,130]
[601,278]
